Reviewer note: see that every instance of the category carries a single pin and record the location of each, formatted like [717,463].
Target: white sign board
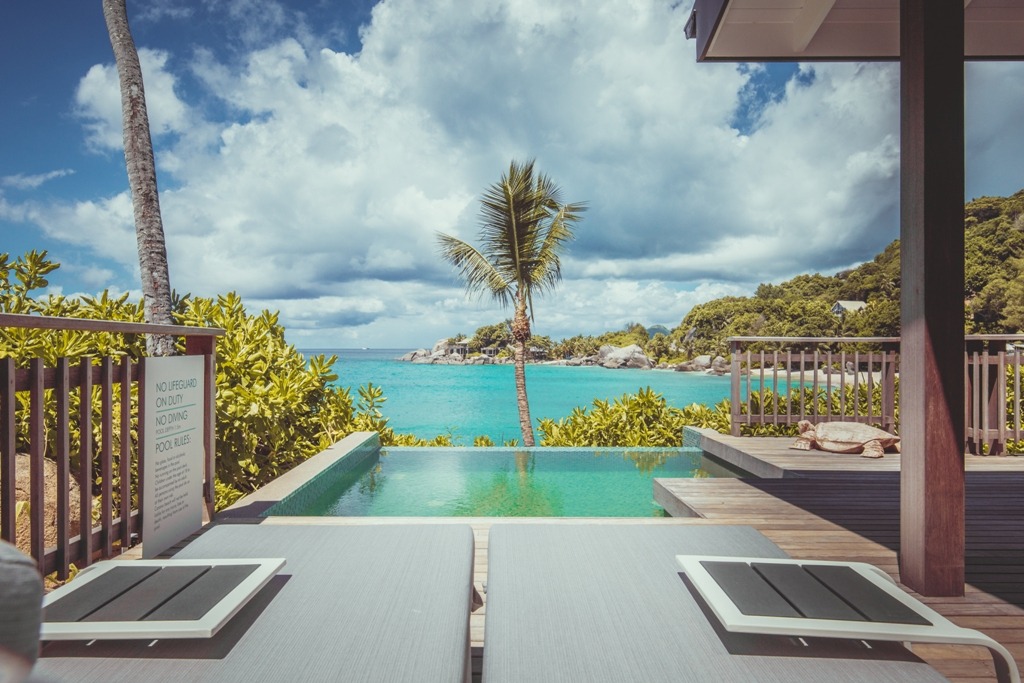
[171,424]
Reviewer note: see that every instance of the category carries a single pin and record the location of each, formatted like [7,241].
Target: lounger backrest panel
[815,591]
[79,604]
[193,600]
[822,592]
[869,600]
[146,596]
[147,599]
[749,590]
[808,595]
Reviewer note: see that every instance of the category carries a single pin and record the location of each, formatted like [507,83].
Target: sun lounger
[826,599]
[609,603]
[353,603]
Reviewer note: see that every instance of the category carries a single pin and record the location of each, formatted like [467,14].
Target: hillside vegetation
[994,290]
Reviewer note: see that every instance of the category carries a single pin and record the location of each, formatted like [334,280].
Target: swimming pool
[496,482]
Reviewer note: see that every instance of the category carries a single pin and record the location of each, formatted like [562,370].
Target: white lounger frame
[204,627]
[942,630]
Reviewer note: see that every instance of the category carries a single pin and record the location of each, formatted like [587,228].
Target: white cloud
[993,105]
[98,101]
[21,181]
[97,278]
[155,10]
[313,180]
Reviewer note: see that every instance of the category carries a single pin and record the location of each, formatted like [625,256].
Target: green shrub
[641,419]
[646,419]
[274,407]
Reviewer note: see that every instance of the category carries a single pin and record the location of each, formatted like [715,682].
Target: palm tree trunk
[138,156]
[521,334]
[524,406]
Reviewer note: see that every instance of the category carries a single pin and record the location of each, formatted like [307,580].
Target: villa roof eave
[839,30]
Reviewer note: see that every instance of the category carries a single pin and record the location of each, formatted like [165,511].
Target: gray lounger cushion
[353,603]
[607,603]
[21,600]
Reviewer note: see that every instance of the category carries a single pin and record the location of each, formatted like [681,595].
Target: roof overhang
[839,30]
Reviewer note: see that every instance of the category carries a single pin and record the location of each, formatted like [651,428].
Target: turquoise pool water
[499,482]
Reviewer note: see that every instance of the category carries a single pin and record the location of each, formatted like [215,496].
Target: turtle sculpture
[845,437]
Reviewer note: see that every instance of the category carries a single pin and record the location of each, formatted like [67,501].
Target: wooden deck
[844,507]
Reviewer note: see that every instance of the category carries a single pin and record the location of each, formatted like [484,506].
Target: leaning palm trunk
[521,334]
[521,400]
[138,156]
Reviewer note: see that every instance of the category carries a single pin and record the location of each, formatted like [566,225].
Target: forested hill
[994,237]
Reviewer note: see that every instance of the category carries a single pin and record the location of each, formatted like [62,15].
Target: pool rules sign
[171,422]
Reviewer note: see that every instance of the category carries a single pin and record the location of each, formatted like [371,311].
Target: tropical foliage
[524,226]
[275,408]
[646,419]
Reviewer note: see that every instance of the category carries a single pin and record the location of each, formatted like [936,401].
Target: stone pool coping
[256,504]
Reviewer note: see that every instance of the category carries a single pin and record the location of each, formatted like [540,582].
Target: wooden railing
[782,380]
[992,388]
[54,389]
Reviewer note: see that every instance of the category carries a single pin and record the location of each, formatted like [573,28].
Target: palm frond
[479,274]
[523,228]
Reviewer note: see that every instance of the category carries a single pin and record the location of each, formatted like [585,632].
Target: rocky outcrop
[705,364]
[441,355]
[611,357]
[22,493]
[701,363]
[631,356]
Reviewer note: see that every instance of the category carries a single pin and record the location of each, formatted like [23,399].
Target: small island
[454,351]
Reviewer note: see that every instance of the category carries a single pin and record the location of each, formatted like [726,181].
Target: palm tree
[138,157]
[523,228]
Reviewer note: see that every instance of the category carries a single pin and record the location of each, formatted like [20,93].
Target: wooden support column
[207,347]
[932,262]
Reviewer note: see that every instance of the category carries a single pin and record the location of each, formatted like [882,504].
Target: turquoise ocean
[467,401]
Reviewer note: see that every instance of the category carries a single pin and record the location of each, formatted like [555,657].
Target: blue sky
[308,151]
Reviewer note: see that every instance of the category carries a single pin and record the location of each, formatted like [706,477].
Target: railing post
[62,453]
[85,462]
[7,443]
[106,455]
[995,405]
[890,354]
[37,503]
[985,408]
[207,347]
[734,347]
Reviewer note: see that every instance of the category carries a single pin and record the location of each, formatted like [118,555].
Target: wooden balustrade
[782,380]
[94,382]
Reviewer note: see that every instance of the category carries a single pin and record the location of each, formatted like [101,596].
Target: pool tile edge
[297,480]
